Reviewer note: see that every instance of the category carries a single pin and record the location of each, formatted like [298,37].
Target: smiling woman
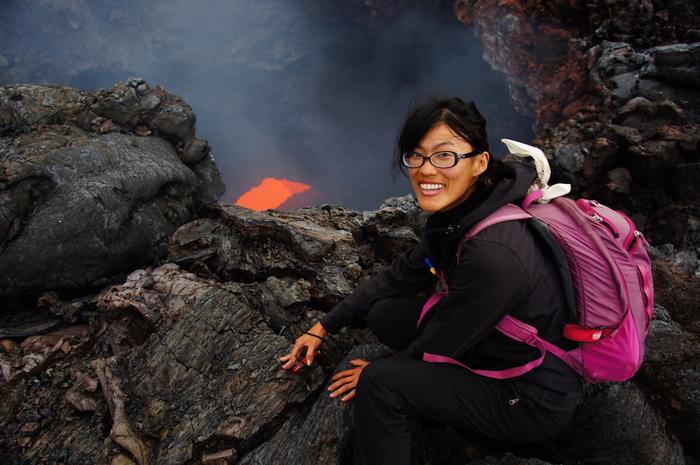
[500,271]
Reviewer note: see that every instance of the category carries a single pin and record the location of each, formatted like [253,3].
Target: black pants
[389,390]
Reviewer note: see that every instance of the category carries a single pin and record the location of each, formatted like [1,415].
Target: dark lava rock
[677,285]
[82,196]
[622,71]
[653,162]
[612,415]
[648,117]
[686,178]
[676,63]
[188,367]
[324,430]
[330,247]
[671,373]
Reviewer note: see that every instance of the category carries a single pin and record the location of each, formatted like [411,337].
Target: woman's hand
[347,380]
[309,343]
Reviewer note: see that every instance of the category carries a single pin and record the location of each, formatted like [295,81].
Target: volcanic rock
[670,374]
[685,183]
[677,222]
[508,459]
[324,430]
[187,357]
[648,117]
[676,64]
[676,277]
[328,246]
[578,67]
[619,180]
[81,199]
[614,414]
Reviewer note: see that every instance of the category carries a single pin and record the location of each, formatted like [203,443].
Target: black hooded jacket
[502,270]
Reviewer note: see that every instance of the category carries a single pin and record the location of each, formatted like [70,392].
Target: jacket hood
[452,225]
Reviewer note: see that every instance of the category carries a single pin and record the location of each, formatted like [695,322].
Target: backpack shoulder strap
[507,212]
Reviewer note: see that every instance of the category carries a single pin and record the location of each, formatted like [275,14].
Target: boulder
[321,435]
[670,375]
[677,64]
[653,162]
[83,197]
[676,223]
[648,117]
[616,424]
[330,247]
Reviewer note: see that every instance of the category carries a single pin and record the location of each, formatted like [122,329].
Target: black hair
[464,118]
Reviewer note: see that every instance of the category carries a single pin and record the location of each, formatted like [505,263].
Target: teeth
[431,187]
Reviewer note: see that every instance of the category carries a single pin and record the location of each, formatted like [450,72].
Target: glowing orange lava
[270,193]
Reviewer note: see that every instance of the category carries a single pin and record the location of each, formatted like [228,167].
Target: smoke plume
[302,90]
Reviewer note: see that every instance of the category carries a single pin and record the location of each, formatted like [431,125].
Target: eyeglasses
[437,159]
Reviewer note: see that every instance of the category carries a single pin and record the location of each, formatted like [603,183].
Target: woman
[502,270]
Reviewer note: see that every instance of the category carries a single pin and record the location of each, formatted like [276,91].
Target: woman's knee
[377,317]
[378,375]
[393,320]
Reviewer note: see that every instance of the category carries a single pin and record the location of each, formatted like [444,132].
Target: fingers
[296,350]
[288,360]
[343,374]
[346,380]
[339,381]
[310,355]
[343,389]
[306,343]
[289,363]
[292,357]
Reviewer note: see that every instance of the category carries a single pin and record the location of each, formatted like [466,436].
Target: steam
[281,89]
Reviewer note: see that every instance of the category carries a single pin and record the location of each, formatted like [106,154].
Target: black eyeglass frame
[455,157]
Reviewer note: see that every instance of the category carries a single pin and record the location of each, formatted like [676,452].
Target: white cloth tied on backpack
[543,171]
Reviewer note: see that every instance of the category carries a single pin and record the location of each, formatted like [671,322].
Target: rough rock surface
[324,430]
[614,88]
[92,185]
[617,414]
[330,247]
[178,365]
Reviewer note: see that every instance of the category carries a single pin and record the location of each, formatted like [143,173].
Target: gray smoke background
[308,90]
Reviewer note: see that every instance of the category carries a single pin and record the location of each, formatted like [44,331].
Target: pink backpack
[612,285]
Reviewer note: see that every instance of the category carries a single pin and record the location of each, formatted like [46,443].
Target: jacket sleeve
[406,275]
[486,286]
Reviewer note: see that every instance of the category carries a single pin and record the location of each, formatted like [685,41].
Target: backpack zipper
[634,234]
[587,207]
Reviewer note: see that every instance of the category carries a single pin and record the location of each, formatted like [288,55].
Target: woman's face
[440,189]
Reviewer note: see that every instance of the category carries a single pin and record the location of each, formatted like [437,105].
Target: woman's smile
[430,189]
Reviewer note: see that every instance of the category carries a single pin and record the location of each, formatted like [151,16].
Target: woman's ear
[482,162]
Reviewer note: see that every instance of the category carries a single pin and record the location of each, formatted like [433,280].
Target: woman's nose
[427,169]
